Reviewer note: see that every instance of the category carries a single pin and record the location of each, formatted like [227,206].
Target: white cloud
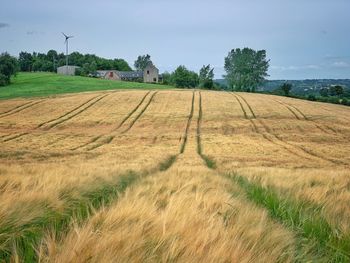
[294,68]
[340,64]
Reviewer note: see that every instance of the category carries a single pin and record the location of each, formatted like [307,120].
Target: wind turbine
[66,41]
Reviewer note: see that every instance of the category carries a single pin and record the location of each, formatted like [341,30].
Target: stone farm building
[149,75]
[67,70]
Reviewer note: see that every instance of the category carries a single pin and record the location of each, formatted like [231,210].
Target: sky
[304,39]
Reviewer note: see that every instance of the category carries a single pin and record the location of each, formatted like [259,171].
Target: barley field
[173,176]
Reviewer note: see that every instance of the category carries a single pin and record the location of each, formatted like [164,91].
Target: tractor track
[289,109]
[17,107]
[59,119]
[189,119]
[108,138]
[96,138]
[294,110]
[72,113]
[141,112]
[132,112]
[20,108]
[16,136]
[291,148]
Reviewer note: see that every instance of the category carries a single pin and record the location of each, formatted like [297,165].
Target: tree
[8,68]
[246,68]
[336,90]
[286,87]
[25,61]
[184,78]
[206,75]
[324,92]
[142,62]
[167,78]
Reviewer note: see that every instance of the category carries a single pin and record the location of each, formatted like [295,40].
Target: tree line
[245,68]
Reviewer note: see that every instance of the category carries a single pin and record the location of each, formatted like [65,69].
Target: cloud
[2,25]
[340,64]
[33,32]
[295,68]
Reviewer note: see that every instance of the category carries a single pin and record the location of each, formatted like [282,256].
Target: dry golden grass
[76,143]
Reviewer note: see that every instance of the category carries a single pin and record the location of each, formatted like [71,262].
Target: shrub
[3,80]
[8,68]
[311,97]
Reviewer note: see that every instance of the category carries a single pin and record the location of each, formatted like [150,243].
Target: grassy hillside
[43,84]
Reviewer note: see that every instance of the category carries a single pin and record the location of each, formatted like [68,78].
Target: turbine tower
[66,42]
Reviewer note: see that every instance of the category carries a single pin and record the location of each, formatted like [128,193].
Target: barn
[149,75]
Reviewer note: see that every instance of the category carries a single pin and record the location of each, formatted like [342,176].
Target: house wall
[150,74]
[112,75]
[66,70]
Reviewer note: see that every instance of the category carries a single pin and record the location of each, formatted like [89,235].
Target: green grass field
[44,84]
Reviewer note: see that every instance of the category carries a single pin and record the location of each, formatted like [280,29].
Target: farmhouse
[149,75]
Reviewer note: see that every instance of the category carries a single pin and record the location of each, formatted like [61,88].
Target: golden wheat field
[174,176]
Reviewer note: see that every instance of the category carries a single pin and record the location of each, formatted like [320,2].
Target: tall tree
[336,90]
[206,75]
[8,68]
[286,87]
[25,61]
[142,62]
[246,68]
[184,78]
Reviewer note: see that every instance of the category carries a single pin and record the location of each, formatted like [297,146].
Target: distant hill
[300,87]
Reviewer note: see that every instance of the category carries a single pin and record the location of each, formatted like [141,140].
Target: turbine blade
[64,34]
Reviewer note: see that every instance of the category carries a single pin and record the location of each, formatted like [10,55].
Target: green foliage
[286,88]
[324,92]
[50,61]
[25,61]
[206,75]
[184,78]
[167,78]
[8,68]
[166,164]
[246,68]
[142,62]
[311,97]
[44,84]
[336,90]
[315,234]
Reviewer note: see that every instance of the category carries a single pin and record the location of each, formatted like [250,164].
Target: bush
[311,97]
[345,101]
[184,78]
[78,72]
[3,80]
[8,68]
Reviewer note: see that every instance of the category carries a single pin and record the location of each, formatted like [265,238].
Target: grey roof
[122,74]
[130,74]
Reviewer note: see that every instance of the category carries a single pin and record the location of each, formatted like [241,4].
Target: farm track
[132,112]
[108,138]
[93,140]
[71,114]
[189,119]
[17,107]
[20,108]
[67,116]
[291,148]
[294,110]
[141,112]
[11,137]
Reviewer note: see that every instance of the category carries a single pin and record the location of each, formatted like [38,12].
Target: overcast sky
[303,38]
